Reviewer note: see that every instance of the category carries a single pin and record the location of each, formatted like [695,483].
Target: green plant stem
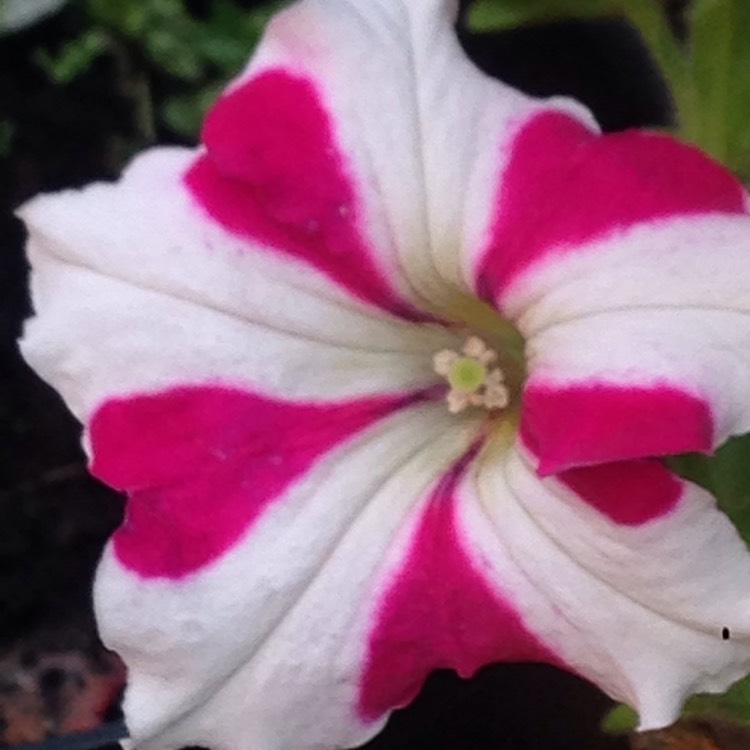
[649,18]
[135,84]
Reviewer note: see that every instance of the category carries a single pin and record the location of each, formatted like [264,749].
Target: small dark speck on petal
[725,634]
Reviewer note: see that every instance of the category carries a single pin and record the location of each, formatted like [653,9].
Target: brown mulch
[52,686]
[694,734]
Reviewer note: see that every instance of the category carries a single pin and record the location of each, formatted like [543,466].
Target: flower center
[467,374]
[472,382]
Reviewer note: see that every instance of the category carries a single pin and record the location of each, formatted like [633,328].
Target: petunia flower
[262,336]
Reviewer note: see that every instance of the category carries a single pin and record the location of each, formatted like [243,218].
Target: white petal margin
[425,131]
[661,302]
[135,292]
[264,648]
[639,611]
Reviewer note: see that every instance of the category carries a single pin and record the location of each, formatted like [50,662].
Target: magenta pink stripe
[565,185]
[273,173]
[201,464]
[439,613]
[581,425]
[630,493]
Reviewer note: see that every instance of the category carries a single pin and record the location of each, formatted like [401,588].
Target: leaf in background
[126,16]
[620,720]
[733,705]
[7,131]
[75,57]
[719,33]
[163,29]
[168,48]
[18,14]
[498,15]
[726,475]
[184,114]
[650,18]
[129,17]
[230,35]
[223,42]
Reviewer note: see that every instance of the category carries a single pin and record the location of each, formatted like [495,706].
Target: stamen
[477,349]
[443,361]
[471,382]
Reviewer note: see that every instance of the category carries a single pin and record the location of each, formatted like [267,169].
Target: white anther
[472,384]
[443,361]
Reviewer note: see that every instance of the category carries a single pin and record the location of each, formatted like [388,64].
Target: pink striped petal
[629,493]
[565,185]
[600,252]
[637,345]
[266,643]
[615,572]
[590,424]
[200,465]
[440,613]
[283,183]
[350,143]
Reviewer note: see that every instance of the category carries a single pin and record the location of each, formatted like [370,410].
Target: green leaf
[230,35]
[720,56]
[620,720]
[498,15]
[733,705]
[650,19]
[128,17]
[726,475]
[227,38]
[75,58]
[170,50]
[184,114]
[7,131]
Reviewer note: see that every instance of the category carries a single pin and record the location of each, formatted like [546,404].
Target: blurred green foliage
[74,58]
[727,476]
[497,15]
[732,706]
[7,131]
[157,39]
[705,59]
[707,64]
[720,58]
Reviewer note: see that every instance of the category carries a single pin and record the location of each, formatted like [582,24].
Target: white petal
[638,609]
[666,303]
[148,295]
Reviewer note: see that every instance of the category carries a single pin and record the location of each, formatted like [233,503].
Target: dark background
[54,519]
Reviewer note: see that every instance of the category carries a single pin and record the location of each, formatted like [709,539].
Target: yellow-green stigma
[467,374]
[471,381]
